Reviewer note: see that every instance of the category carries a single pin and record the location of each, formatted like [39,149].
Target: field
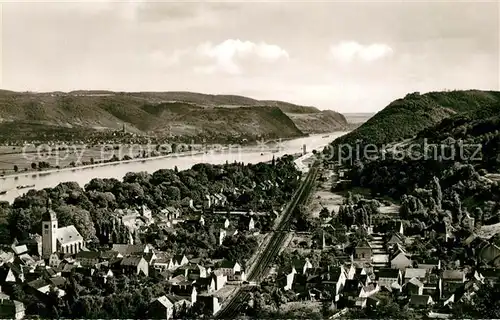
[64,157]
[324,198]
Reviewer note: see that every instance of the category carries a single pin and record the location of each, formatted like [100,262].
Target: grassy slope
[406,117]
[179,113]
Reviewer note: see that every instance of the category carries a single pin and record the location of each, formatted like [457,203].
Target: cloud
[350,50]
[226,55]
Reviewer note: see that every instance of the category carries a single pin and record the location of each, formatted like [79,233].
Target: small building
[167,306]
[414,287]
[301,265]
[131,249]
[134,265]
[387,277]
[418,273]
[421,301]
[88,258]
[11,309]
[363,251]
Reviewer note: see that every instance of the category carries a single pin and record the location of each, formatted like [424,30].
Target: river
[82,175]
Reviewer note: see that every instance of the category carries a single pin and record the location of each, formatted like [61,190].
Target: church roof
[68,234]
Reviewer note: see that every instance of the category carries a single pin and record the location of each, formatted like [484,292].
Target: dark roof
[332,274]
[177,258]
[299,263]
[352,286]
[88,255]
[490,273]
[131,261]
[415,282]
[58,281]
[128,249]
[415,273]
[38,283]
[363,244]
[388,273]
[419,300]
[226,264]
[108,255]
[453,275]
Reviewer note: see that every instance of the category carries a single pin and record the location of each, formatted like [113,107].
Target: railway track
[271,251]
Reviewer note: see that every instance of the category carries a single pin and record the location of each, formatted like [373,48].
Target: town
[131,251]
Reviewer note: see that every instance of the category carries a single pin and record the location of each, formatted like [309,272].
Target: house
[369,290]
[88,258]
[399,259]
[11,273]
[301,265]
[6,257]
[251,224]
[54,260]
[134,265]
[167,306]
[219,278]
[420,301]
[491,275]
[387,277]
[162,264]
[418,273]
[192,271]
[131,249]
[429,264]
[334,281]
[20,249]
[205,284]
[452,280]
[11,309]
[25,260]
[210,303]
[433,286]
[468,221]
[227,266]
[395,240]
[178,261]
[288,280]
[363,251]
[414,287]
[350,271]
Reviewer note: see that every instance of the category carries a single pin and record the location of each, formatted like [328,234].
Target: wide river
[83,175]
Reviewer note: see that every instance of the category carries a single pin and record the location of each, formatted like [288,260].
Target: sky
[348,56]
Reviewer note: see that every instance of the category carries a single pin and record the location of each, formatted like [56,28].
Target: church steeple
[49,230]
[49,214]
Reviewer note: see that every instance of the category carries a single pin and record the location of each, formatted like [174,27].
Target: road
[272,249]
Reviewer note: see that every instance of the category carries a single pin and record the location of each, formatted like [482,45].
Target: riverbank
[83,174]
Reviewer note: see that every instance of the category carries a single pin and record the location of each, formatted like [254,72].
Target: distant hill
[406,117]
[172,113]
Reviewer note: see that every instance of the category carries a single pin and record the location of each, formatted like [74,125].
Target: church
[55,239]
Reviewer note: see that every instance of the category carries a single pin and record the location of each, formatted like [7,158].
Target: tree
[484,304]
[33,165]
[16,168]
[80,218]
[324,213]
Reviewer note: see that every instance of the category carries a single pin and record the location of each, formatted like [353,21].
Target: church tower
[49,231]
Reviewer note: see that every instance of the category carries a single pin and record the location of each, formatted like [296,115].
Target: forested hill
[406,117]
[184,114]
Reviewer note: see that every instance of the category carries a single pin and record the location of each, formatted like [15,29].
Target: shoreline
[10,183]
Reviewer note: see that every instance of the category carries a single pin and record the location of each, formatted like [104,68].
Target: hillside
[319,122]
[406,117]
[169,113]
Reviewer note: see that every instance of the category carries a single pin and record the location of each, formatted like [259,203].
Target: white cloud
[228,53]
[350,50]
